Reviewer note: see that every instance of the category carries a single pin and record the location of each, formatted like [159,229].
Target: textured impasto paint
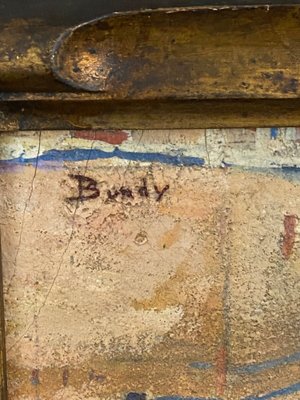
[143,265]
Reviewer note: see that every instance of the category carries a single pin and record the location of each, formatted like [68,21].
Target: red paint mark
[221,367]
[290,223]
[35,378]
[111,137]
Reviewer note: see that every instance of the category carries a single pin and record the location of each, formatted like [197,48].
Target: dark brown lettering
[143,190]
[161,192]
[87,188]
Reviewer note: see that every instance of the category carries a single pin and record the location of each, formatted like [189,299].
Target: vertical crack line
[130,161]
[36,340]
[226,291]
[122,205]
[60,263]
[3,373]
[24,214]
[223,356]
[36,351]
[206,147]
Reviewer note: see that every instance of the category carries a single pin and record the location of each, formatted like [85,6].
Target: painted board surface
[146,265]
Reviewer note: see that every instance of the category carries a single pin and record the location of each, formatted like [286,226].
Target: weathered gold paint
[241,69]
[188,53]
[50,115]
[185,54]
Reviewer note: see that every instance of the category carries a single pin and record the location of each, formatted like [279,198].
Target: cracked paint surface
[172,272]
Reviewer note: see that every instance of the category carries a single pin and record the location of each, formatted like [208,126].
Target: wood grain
[210,53]
[185,53]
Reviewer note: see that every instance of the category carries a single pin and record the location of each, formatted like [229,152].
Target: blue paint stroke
[201,365]
[289,172]
[277,393]
[274,168]
[86,154]
[185,398]
[254,368]
[136,396]
[290,168]
[272,395]
[274,133]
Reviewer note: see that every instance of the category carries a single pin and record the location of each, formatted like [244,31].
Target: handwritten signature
[88,189]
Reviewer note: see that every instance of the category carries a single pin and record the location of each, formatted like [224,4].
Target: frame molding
[246,72]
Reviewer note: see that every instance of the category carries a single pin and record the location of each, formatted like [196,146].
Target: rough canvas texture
[146,265]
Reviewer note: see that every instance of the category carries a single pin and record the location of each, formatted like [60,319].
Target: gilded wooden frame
[256,89]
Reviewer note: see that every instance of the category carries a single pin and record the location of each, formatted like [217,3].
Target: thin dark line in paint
[276,393]
[269,364]
[201,365]
[222,360]
[186,398]
[58,268]
[294,388]
[253,368]
[31,190]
